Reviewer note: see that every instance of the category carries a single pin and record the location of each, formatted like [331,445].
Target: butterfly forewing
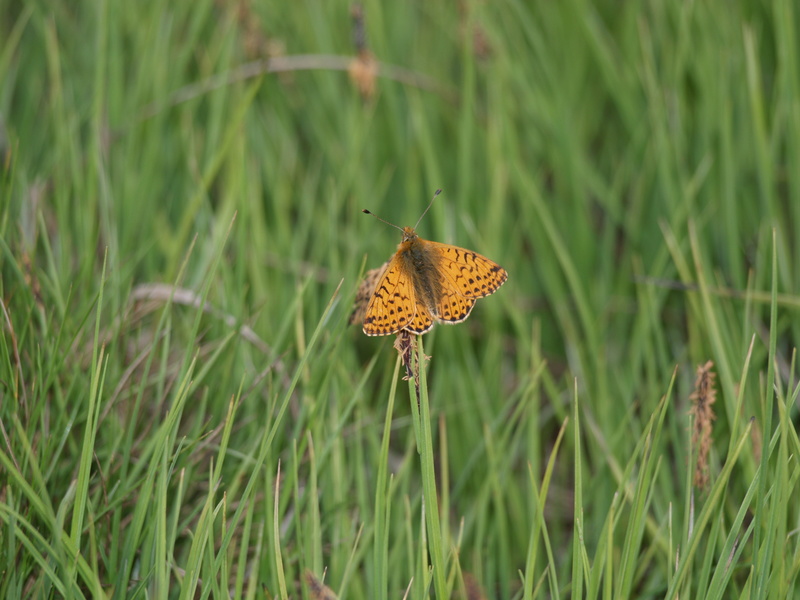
[393,301]
[468,273]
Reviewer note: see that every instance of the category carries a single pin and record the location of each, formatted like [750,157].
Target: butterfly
[424,282]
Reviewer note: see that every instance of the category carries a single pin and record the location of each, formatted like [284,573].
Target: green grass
[186,413]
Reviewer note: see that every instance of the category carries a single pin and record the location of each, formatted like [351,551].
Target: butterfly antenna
[436,193]
[365,211]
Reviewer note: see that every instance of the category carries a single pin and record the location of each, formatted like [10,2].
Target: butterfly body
[425,282]
[417,257]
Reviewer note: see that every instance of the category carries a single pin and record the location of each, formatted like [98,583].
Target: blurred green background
[182,238]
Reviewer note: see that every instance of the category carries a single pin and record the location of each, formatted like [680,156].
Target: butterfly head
[409,234]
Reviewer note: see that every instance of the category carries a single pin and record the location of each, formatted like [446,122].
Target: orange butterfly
[425,282]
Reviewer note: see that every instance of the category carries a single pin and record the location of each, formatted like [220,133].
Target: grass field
[184,410]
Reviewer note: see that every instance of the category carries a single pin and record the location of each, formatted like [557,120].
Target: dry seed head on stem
[702,399]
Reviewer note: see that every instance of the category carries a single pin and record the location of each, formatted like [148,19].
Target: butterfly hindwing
[454,308]
[422,322]
[365,291]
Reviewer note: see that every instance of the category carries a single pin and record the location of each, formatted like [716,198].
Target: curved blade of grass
[539,497]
